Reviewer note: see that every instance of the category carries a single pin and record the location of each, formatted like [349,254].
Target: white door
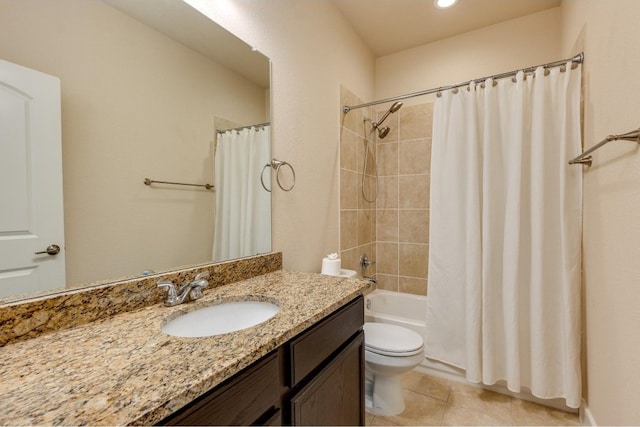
[31,217]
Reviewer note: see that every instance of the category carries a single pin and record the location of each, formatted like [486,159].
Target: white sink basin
[220,319]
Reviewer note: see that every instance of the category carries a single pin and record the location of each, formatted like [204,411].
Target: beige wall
[313,51]
[517,43]
[135,104]
[607,32]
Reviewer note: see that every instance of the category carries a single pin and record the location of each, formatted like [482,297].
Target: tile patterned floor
[433,401]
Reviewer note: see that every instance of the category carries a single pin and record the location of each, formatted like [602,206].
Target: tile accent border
[22,320]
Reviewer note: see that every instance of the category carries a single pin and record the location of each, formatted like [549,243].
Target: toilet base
[383,395]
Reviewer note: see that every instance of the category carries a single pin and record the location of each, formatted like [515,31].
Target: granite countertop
[124,370]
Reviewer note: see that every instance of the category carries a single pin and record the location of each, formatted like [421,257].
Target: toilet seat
[391,340]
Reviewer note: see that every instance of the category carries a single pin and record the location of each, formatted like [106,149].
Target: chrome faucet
[192,290]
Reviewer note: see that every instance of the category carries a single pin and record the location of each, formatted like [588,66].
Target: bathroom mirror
[145,84]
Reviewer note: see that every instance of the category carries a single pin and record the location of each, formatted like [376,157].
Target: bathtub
[409,311]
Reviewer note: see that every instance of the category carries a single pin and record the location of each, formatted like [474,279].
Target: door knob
[51,250]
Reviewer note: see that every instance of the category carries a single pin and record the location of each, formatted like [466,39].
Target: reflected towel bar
[148,181]
[586,159]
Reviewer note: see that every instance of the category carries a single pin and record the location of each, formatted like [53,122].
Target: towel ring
[277,164]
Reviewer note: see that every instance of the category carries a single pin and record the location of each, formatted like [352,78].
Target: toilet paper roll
[330,267]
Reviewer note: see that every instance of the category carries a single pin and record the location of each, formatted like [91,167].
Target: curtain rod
[259,125]
[579,58]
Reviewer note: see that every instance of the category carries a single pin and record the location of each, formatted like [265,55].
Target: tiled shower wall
[393,231]
[357,217]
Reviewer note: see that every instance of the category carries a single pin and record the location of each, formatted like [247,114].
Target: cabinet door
[250,397]
[336,395]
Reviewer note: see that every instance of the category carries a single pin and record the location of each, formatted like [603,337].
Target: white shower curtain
[505,234]
[243,207]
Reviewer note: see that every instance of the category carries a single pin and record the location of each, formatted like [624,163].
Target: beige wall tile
[412,285]
[348,229]
[387,282]
[348,189]
[370,191]
[414,191]
[388,193]
[414,156]
[349,259]
[387,261]
[348,150]
[413,260]
[366,222]
[387,155]
[415,121]
[371,160]
[387,225]
[413,226]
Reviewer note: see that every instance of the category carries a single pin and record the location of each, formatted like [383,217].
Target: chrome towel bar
[148,181]
[586,159]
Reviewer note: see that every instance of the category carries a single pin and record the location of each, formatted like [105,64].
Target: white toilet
[390,351]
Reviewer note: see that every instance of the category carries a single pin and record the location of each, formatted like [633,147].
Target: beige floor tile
[529,413]
[420,410]
[437,388]
[495,408]
[369,419]
[463,416]
[477,398]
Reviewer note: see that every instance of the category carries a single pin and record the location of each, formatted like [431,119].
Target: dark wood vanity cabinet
[316,378]
[334,397]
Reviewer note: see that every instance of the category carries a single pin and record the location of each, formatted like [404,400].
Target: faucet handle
[171,290]
[201,276]
[199,282]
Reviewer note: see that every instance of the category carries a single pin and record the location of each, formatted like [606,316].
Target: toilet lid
[390,339]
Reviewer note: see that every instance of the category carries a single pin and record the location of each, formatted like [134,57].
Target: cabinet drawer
[309,349]
[241,400]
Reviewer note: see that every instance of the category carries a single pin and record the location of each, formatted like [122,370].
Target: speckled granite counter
[125,370]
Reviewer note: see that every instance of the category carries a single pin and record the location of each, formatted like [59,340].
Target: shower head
[395,107]
[383,131]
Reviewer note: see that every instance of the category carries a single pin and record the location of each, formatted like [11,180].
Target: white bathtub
[409,311]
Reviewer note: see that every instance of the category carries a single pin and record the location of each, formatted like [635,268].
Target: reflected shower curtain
[505,233]
[243,207]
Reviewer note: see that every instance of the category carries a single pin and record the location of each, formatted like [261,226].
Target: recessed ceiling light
[442,4]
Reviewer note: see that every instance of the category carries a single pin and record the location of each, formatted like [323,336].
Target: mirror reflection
[144,90]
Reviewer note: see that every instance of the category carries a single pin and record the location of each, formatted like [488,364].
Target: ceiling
[181,22]
[389,26]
